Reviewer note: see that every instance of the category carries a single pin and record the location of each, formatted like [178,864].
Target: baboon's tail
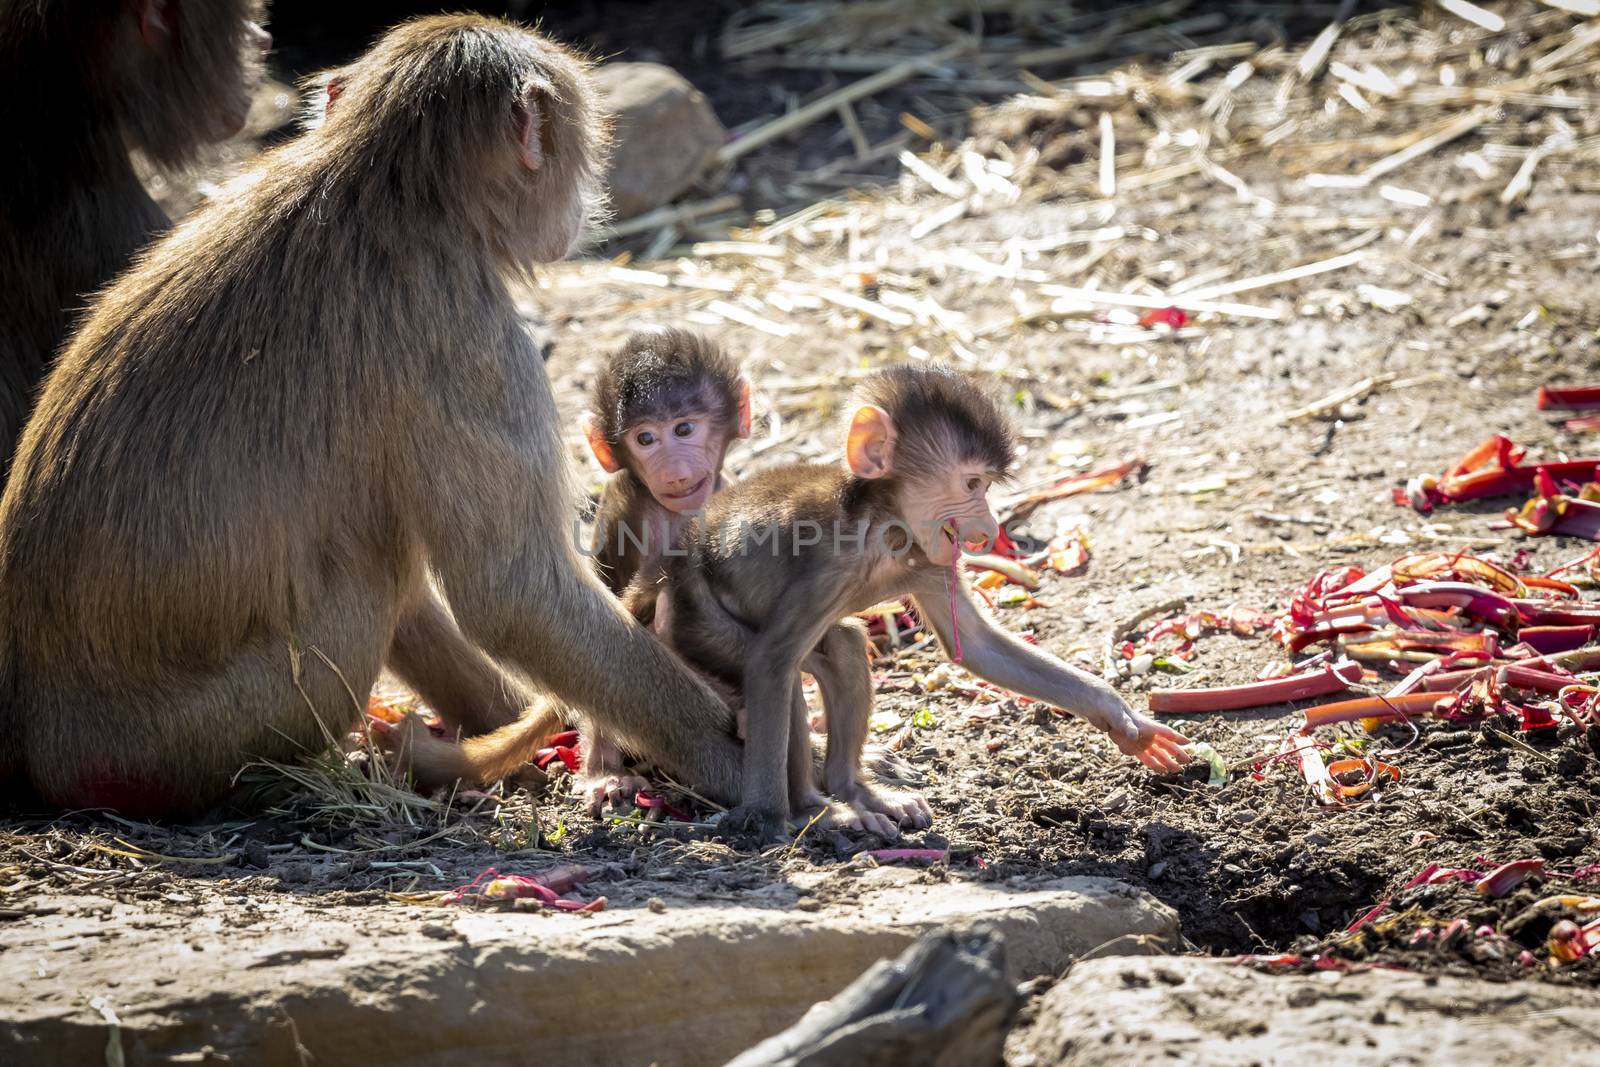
[488,757]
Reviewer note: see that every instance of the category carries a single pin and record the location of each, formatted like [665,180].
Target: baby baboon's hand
[613,790]
[1156,746]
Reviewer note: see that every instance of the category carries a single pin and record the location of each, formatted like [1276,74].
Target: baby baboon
[299,407]
[86,79]
[779,560]
[666,407]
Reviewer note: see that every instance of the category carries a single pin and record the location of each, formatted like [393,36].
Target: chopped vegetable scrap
[1172,317]
[1316,961]
[1213,759]
[1069,553]
[563,746]
[1553,512]
[1465,638]
[384,713]
[1168,644]
[1566,926]
[1569,398]
[1494,468]
[657,807]
[493,889]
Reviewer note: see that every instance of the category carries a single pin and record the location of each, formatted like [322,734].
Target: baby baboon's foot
[850,820]
[411,748]
[613,790]
[908,810]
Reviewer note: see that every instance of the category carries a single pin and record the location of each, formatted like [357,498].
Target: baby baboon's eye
[644,439]
[684,429]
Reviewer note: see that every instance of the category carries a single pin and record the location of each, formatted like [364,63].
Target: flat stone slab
[1211,1012]
[403,986]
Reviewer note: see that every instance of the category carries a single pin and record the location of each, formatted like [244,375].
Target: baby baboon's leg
[845,678]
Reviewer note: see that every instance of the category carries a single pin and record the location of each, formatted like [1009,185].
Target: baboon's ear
[530,129]
[869,448]
[599,445]
[743,429]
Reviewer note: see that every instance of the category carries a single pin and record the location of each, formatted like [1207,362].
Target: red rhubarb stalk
[1569,398]
[1472,599]
[1493,468]
[1457,566]
[1558,613]
[1415,680]
[1524,677]
[1335,678]
[1546,640]
[1448,680]
[1371,708]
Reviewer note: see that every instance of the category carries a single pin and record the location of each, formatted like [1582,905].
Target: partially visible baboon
[295,408]
[84,80]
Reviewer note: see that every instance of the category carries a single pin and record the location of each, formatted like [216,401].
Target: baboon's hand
[1153,744]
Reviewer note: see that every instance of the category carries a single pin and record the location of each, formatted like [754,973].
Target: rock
[666,134]
[695,984]
[1197,1011]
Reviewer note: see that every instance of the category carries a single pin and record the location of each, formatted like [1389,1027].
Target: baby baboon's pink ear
[869,448]
[155,21]
[743,429]
[531,131]
[599,445]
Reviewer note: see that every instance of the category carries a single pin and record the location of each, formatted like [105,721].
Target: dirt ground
[1237,508]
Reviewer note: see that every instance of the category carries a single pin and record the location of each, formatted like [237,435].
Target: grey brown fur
[298,407]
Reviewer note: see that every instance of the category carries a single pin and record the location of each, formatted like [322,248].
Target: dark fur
[662,374]
[294,409]
[942,418]
[80,88]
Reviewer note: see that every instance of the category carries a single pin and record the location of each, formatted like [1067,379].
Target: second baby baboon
[777,562]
